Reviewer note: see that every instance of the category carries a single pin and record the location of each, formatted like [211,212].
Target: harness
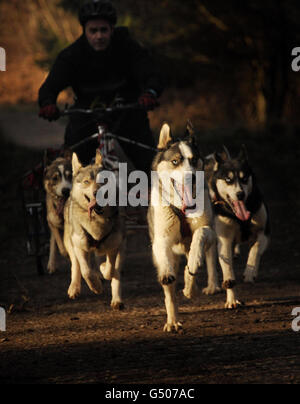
[222,208]
[97,243]
[184,226]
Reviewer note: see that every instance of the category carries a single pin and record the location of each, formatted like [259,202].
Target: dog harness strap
[96,243]
[190,273]
[184,226]
[221,208]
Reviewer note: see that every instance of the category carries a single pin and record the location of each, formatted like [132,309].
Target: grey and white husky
[173,231]
[57,184]
[91,229]
[240,215]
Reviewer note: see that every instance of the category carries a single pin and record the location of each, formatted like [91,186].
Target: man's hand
[148,100]
[50,112]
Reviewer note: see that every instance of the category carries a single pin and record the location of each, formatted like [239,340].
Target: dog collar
[184,226]
[97,243]
[216,201]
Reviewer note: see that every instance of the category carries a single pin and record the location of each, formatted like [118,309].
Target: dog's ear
[225,154]
[190,133]
[45,173]
[243,155]
[46,163]
[76,165]
[219,159]
[98,158]
[165,136]
[201,163]
[222,156]
[46,159]
[67,154]
[190,129]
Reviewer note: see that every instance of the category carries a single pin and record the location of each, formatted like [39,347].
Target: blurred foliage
[32,33]
[243,48]
[230,60]
[52,44]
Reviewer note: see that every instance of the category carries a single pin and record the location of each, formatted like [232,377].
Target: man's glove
[50,112]
[148,100]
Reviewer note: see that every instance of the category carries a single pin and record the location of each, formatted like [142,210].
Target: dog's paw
[118,306]
[233,304]
[190,285]
[51,269]
[249,278]
[188,293]
[107,274]
[94,282]
[191,291]
[211,289]
[96,287]
[74,291]
[250,275]
[167,279]
[173,327]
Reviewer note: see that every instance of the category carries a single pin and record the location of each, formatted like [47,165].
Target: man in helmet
[104,63]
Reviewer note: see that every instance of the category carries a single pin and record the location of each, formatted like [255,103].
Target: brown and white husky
[177,226]
[92,229]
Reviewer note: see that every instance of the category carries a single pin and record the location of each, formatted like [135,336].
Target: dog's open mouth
[60,205]
[94,207]
[186,193]
[240,210]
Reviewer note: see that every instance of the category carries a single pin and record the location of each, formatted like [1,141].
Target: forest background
[226,64]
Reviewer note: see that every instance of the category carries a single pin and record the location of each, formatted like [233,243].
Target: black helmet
[98,9]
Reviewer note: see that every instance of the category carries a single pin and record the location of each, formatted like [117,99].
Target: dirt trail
[50,339]
[23,127]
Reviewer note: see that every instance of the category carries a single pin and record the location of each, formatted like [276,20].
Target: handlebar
[101,111]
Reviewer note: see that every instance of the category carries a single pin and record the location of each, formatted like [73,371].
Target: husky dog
[173,231]
[91,229]
[240,215]
[57,184]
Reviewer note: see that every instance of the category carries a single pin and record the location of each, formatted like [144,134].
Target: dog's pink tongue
[91,206]
[188,197]
[60,207]
[240,211]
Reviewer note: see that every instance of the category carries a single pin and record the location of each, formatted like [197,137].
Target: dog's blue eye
[228,180]
[86,182]
[175,162]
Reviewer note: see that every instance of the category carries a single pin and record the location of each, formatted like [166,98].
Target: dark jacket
[124,69]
